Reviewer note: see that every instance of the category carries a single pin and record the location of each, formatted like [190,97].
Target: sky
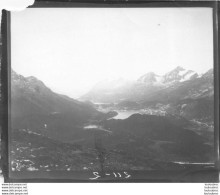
[72,49]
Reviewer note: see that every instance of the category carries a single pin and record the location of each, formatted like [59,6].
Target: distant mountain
[192,99]
[176,84]
[109,90]
[34,106]
[180,92]
[193,88]
[179,74]
[150,79]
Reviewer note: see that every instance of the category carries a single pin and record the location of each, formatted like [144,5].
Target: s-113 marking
[118,175]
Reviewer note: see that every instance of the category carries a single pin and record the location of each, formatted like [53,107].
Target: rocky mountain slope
[34,106]
[192,99]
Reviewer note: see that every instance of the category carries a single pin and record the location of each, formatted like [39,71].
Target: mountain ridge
[35,106]
[145,86]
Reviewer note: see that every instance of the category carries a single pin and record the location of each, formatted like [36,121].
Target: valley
[169,126]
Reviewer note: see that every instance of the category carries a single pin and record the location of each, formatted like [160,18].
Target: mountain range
[149,85]
[179,92]
[178,74]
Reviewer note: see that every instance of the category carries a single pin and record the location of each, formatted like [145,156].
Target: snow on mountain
[178,74]
[189,75]
[147,85]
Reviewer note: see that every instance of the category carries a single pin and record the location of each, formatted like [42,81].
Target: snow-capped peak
[179,74]
[189,75]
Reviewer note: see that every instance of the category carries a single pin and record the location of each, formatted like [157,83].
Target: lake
[123,114]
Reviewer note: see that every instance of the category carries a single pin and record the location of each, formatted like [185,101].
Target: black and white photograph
[106,93]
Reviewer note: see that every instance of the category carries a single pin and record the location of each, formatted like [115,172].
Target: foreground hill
[137,143]
[158,137]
